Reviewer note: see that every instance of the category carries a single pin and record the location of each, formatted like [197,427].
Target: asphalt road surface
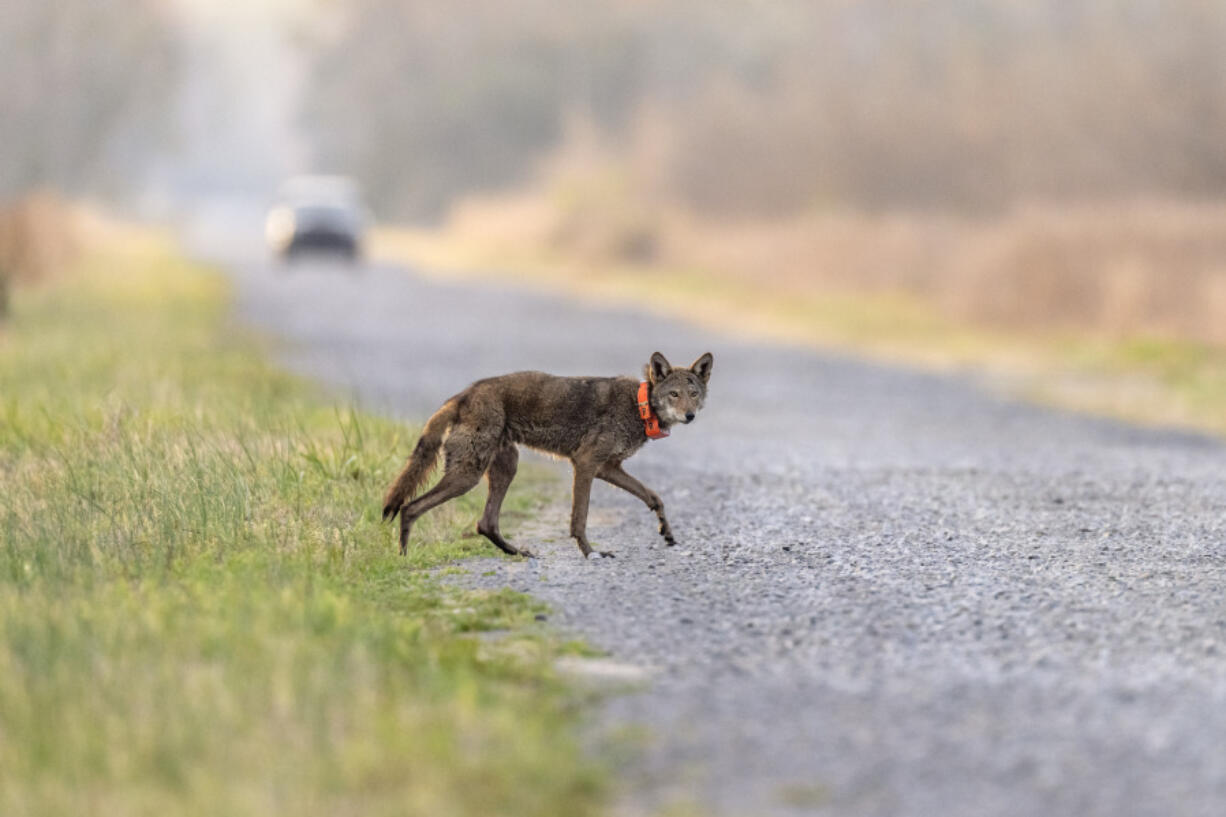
[894,594]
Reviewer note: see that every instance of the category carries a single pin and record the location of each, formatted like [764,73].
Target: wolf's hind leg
[457,480]
[614,475]
[501,472]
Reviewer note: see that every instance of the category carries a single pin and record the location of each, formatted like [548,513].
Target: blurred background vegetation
[1047,164]
[744,108]
[732,108]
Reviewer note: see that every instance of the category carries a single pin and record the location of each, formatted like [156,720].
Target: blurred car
[317,215]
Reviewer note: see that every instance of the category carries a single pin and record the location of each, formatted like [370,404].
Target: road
[894,594]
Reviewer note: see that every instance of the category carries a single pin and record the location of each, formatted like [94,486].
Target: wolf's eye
[674,394]
[693,394]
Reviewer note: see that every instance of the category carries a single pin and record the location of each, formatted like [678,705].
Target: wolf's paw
[667,533]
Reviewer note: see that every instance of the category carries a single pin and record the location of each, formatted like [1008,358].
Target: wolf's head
[678,394]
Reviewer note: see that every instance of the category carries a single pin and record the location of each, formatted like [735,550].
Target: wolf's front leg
[615,475]
[658,506]
[578,512]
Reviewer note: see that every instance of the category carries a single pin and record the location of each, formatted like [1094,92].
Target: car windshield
[328,213]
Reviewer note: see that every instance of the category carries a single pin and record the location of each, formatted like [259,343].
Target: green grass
[200,611]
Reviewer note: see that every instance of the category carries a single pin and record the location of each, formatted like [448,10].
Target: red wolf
[595,422]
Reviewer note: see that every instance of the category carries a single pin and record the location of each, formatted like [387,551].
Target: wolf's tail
[421,461]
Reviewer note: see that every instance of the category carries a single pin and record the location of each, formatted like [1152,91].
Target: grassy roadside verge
[1149,380]
[200,612]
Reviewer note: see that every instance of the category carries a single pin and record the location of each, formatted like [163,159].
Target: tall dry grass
[1112,269]
[39,234]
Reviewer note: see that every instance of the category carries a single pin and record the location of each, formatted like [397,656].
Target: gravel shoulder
[894,593]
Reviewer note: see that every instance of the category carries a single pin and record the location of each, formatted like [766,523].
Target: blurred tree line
[766,106]
[86,93]
[731,107]
[84,100]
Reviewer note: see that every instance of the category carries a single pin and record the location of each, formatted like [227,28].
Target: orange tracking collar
[651,423]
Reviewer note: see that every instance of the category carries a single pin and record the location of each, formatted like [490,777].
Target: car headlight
[279,226]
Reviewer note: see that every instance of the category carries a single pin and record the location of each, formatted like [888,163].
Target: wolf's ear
[658,368]
[702,367]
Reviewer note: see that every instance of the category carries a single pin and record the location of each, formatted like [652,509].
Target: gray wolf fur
[592,421]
